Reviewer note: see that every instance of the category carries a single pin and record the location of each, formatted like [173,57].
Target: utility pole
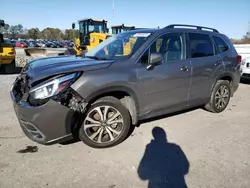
[113,9]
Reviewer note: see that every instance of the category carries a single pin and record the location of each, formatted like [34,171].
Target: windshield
[82,27]
[95,26]
[120,46]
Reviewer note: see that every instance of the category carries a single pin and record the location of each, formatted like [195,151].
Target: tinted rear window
[220,44]
[200,45]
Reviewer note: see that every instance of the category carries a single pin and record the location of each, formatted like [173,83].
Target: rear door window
[221,45]
[200,45]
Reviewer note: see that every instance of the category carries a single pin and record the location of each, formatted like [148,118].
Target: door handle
[218,63]
[184,68]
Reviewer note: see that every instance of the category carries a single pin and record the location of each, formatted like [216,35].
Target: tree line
[244,40]
[18,31]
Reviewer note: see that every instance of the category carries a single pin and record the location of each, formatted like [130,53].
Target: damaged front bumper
[46,124]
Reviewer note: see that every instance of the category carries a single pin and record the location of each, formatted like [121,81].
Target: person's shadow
[164,164]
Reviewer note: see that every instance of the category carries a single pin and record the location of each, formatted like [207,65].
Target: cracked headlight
[52,87]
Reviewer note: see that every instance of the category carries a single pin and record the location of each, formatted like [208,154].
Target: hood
[45,67]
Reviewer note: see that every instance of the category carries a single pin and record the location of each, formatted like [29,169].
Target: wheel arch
[119,92]
[228,77]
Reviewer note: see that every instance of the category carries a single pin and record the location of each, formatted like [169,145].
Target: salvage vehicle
[8,41]
[21,44]
[100,96]
[7,54]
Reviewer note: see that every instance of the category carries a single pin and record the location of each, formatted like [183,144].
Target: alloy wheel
[103,124]
[222,97]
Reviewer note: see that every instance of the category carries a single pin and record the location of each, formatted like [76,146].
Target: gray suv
[129,77]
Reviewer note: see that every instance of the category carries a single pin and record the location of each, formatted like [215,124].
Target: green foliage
[18,31]
[34,33]
[71,34]
[244,40]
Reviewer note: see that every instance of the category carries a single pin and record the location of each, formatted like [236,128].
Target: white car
[245,68]
[41,44]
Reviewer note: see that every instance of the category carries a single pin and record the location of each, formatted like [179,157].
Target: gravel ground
[215,152]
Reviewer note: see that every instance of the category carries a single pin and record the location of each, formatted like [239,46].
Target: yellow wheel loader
[91,33]
[7,54]
[121,28]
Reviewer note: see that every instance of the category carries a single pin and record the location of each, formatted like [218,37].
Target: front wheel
[107,123]
[220,97]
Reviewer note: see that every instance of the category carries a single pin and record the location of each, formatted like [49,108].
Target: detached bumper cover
[46,124]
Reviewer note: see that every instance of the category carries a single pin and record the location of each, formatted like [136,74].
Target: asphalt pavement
[196,148]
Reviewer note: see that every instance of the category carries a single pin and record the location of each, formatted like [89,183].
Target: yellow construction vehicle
[121,28]
[7,54]
[91,33]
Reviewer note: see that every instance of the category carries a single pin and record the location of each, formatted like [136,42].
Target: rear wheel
[220,97]
[107,123]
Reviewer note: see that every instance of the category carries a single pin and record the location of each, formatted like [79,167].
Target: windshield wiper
[97,58]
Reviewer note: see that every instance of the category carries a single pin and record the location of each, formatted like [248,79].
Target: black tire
[10,68]
[211,105]
[117,105]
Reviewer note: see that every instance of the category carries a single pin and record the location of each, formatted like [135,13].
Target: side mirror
[73,25]
[154,59]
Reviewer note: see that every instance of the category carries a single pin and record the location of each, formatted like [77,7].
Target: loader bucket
[36,52]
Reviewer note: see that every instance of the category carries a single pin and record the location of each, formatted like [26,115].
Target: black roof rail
[197,27]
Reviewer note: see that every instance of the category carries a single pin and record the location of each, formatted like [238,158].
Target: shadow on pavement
[76,139]
[169,115]
[164,164]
